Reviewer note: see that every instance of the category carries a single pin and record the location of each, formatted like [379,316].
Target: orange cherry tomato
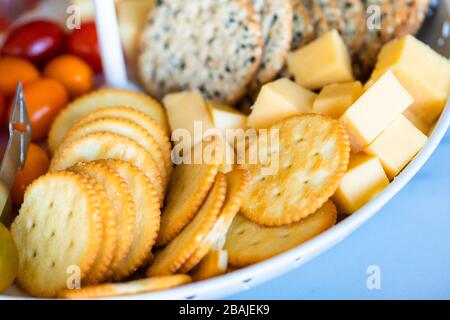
[44,99]
[13,70]
[73,72]
[36,164]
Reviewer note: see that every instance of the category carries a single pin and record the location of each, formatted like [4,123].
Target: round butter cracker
[237,183]
[127,288]
[106,145]
[308,162]
[147,218]
[123,128]
[178,251]
[141,119]
[59,228]
[248,243]
[100,99]
[121,200]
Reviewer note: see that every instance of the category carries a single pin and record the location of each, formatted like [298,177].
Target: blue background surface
[409,239]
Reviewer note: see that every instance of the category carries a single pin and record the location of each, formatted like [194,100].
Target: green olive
[9,259]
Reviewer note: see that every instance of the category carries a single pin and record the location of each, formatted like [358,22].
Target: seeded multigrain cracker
[400,9]
[127,288]
[59,228]
[106,145]
[376,33]
[248,243]
[126,129]
[175,254]
[329,15]
[211,45]
[100,99]
[352,26]
[186,191]
[303,25]
[417,15]
[147,219]
[308,161]
[122,203]
[140,118]
[213,265]
[277,23]
[99,269]
[237,184]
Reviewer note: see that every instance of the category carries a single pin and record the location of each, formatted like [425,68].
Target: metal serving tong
[16,151]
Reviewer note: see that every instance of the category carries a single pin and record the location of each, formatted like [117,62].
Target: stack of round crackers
[97,212]
[227,49]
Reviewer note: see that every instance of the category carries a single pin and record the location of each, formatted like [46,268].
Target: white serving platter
[435,32]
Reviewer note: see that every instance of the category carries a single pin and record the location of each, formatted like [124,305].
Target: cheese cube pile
[387,120]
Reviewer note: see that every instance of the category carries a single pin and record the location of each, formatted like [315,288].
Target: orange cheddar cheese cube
[421,70]
[364,179]
[321,62]
[278,100]
[397,145]
[335,99]
[375,110]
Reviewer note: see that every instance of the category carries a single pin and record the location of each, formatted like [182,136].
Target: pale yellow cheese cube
[417,121]
[226,117]
[321,62]
[397,145]
[364,179]
[421,70]
[278,100]
[187,112]
[335,99]
[375,110]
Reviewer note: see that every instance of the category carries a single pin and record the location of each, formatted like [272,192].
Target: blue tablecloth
[408,241]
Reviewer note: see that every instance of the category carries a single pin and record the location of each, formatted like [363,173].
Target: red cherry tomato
[37,41]
[83,43]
